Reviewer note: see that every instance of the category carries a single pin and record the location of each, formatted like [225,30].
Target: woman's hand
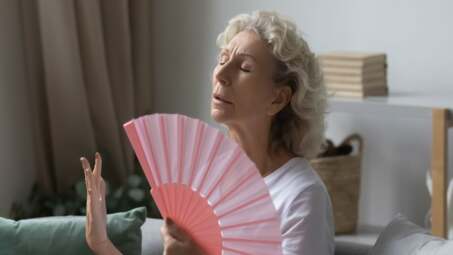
[176,241]
[96,224]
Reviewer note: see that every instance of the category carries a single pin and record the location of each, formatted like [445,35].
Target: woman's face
[243,88]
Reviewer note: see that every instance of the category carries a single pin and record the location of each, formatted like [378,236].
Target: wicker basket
[341,175]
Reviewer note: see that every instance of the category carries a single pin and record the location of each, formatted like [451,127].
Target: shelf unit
[434,107]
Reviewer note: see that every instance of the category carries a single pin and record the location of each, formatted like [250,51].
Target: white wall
[16,144]
[416,35]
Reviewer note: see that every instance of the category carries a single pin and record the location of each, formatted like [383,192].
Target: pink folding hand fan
[206,184]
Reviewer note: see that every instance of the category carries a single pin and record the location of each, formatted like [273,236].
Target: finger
[87,172]
[174,230]
[104,208]
[165,235]
[102,188]
[98,165]
[102,193]
[85,163]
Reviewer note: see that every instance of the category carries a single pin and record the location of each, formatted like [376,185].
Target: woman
[268,92]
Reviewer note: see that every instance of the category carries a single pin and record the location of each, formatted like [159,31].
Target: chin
[219,116]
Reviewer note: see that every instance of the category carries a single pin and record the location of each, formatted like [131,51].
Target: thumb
[175,231]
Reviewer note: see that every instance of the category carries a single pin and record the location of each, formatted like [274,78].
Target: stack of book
[354,74]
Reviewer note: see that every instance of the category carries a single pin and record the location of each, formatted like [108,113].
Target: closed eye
[245,70]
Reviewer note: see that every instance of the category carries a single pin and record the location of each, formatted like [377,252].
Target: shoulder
[308,196]
[297,183]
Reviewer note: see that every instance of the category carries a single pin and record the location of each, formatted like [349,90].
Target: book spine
[354,79]
[350,63]
[329,70]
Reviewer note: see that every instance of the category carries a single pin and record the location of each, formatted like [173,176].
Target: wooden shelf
[414,104]
[436,107]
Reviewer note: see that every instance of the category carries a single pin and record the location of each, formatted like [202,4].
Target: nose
[221,74]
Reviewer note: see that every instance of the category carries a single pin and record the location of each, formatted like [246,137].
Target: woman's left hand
[176,241]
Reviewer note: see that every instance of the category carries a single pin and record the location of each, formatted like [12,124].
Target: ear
[282,96]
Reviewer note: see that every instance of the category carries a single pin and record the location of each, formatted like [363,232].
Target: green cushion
[66,234]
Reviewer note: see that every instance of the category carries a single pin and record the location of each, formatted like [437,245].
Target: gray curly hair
[299,127]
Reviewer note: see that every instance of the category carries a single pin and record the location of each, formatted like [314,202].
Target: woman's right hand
[96,224]
[177,241]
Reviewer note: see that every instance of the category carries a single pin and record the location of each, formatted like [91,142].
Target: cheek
[255,93]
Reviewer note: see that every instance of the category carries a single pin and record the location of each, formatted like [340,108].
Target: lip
[220,99]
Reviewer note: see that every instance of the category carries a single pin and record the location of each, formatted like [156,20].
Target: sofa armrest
[152,243]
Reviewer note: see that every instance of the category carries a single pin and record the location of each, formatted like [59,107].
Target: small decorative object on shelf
[339,168]
[354,74]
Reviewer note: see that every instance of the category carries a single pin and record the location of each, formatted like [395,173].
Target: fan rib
[163,135]
[233,159]
[246,203]
[187,208]
[218,141]
[248,177]
[180,128]
[197,221]
[242,182]
[208,230]
[196,208]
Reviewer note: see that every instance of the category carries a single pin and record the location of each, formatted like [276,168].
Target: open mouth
[220,99]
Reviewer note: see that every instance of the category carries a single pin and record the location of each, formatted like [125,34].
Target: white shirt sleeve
[305,230]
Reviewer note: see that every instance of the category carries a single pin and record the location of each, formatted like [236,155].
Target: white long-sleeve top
[305,210]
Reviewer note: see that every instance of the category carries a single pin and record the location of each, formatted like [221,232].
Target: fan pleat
[133,135]
[195,159]
[241,206]
[218,141]
[227,169]
[236,251]
[149,148]
[235,188]
[250,246]
[247,223]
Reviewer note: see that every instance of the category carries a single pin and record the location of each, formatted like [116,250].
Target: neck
[254,140]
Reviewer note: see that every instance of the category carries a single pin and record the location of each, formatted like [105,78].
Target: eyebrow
[247,55]
[243,54]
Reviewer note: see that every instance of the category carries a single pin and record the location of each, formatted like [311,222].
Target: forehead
[249,42]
